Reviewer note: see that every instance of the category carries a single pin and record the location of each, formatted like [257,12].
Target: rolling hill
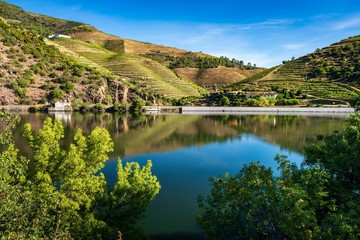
[331,73]
[141,67]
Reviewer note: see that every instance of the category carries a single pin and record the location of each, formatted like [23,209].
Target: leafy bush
[136,106]
[24,82]
[56,94]
[288,102]
[68,87]
[224,101]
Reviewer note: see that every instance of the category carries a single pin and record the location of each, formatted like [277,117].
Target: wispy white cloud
[294,46]
[347,23]
[270,23]
[75,8]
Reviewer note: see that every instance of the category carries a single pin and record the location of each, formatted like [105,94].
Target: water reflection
[188,149]
[161,133]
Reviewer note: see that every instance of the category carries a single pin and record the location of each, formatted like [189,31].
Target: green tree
[319,200]
[56,94]
[64,194]
[224,101]
[136,106]
[339,155]
[254,204]
[252,102]
[263,102]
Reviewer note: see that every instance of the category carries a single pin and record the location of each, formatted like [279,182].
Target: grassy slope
[301,74]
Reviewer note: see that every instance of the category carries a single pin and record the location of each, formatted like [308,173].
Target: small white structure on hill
[61,107]
[264,94]
[57,35]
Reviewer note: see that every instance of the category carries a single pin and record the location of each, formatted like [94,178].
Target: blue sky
[263,32]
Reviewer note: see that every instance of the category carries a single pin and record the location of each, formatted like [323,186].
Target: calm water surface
[186,150]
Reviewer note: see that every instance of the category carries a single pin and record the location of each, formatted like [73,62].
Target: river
[186,150]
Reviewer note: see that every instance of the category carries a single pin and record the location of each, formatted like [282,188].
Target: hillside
[91,67]
[143,65]
[210,76]
[33,72]
[95,67]
[331,73]
[161,54]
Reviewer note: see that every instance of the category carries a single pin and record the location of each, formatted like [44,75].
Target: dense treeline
[206,62]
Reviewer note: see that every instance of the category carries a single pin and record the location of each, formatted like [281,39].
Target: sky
[262,32]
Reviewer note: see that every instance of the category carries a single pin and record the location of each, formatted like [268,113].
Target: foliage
[206,62]
[335,151]
[254,204]
[282,102]
[56,94]
[136,106]
[48,68]
[340,62]
[7,122]
[63,195]
[319,200]
[224,101]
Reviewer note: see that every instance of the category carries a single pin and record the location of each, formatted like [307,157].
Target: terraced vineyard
[316,88]
[292,71]
[327,74]
[144,72]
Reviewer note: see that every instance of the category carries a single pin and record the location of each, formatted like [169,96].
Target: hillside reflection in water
[187,150]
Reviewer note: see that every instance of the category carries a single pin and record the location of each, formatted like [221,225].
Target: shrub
[136,106]
[68,87]
[224,101]
[56,94]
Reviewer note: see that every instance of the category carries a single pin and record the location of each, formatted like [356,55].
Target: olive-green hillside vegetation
[33,72]
[43,24]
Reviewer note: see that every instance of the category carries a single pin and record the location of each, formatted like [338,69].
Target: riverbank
[18,108]
[267,109]
[233,110]
[209,110]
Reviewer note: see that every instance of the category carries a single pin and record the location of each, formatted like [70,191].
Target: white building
[61,107]
[264,94]
[56,35]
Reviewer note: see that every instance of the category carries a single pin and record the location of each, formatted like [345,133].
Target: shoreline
[213,110]
[267,110]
